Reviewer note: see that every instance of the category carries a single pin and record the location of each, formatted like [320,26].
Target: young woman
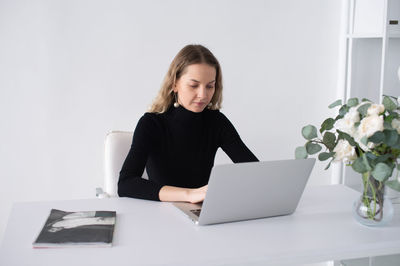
[176,141]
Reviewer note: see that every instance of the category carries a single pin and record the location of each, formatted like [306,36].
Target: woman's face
[196,87]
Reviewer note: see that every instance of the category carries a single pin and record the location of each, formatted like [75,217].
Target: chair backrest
[117,145]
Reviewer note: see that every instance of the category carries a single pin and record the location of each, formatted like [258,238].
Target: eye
[210,87]
[193,86]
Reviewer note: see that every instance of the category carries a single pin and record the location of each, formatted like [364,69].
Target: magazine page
[86,228]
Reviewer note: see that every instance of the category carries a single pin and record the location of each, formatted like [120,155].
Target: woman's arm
[232,144]
[130,183]
[192,195]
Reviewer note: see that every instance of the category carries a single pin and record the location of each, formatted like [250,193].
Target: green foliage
[389,118]
[377,137]
[343,135]
[343,110]
[393,184]
[382,172]
[352,102]
[329,140]
[329,164]
[334,104]
[391,137]
[313,148]
[327,125]
[364,140]
[380,159]
[301,153]
[309,132]
[323,156]
[397,145]
[387,125]
[363,109]
[359,166]
[374,156]
[366,162]
[389,104]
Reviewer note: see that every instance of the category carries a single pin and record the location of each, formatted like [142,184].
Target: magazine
[72,229]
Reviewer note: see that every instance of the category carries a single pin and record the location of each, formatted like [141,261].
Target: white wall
[71,71]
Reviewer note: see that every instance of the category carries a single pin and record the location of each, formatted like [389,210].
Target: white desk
[155,233]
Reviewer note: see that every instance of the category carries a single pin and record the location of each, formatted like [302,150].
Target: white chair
[116,148]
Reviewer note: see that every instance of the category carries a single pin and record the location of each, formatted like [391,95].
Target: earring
[209,105]
[176,104]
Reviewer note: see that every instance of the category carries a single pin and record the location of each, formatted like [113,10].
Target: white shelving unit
[372,59]
[372,56]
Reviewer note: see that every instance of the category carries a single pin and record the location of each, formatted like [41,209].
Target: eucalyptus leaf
[301,153]
[323,156]
[382,158]
[393,184]
[309,132]
[327,124]
[343,110]
[313,148]
[394,115]
[391,137]
[343,135]
[389,104]
[329,164]
[352,102]
[359,166]
[365,100]
[387,125]
[370,155]
[364,140]
[366,163]
[390,96]
[329,140]
[382,172]
[377,137]
[363,109]
[338,117]
[334,104]
[397,145]
[389,118]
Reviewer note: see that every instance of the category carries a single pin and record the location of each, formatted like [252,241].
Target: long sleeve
[131,184]
[232,144]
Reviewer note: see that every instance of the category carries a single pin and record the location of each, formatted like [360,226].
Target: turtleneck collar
[185,116]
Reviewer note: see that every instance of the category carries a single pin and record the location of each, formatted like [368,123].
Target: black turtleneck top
[177,148]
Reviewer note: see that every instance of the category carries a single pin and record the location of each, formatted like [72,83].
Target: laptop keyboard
[196,212]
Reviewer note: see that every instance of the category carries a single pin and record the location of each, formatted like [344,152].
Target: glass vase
[373,208]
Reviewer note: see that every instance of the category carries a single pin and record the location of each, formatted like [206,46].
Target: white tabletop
[155,233]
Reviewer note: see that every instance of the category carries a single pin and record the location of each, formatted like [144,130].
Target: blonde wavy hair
[189,55]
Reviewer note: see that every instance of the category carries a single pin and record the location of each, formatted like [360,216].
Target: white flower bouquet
[366,136]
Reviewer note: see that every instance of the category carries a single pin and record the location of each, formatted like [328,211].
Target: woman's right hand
[196,195]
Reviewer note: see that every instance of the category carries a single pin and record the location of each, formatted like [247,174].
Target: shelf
[371,36]
[364,36]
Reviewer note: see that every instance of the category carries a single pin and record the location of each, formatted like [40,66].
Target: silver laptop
[245,191]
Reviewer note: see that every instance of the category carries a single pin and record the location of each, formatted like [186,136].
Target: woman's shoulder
[217,115]
[150,116]
[218,119]
[149,120]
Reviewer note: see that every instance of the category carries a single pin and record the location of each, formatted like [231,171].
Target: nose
[202,92]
